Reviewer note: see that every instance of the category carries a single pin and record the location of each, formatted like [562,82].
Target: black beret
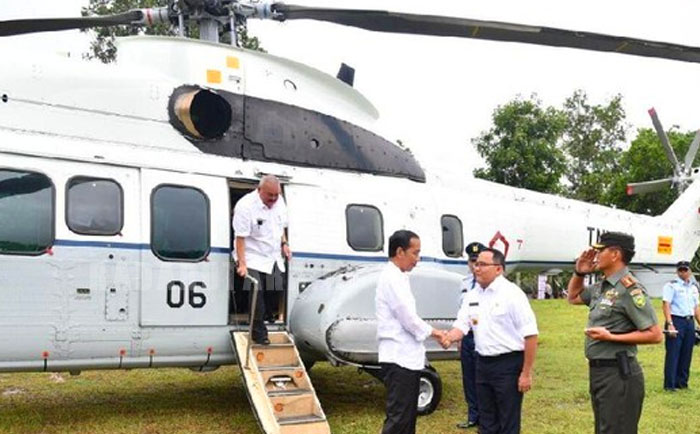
[608,239]
[473,249]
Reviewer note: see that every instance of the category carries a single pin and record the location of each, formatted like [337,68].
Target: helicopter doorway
[275,300]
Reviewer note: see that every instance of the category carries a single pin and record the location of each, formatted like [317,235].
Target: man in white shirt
[259,220]
[401,332]
[505,337]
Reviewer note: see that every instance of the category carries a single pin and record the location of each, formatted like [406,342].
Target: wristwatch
[579,274]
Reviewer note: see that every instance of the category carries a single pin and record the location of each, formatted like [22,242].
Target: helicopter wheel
[430,391]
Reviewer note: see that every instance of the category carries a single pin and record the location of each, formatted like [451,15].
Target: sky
[436,94]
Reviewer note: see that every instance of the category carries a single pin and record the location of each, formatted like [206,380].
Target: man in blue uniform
[680,305]
[466,351]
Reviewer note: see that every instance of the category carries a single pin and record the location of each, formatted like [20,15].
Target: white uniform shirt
[400,331]
[262,228]
[500,317]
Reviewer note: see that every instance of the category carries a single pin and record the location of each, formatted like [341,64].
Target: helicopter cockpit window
[452,238]
[180,228]
[364,228]
[26,212]
[94,206]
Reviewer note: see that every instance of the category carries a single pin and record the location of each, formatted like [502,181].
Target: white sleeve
[523,316]
[462,321]
[241,220]
[406,315]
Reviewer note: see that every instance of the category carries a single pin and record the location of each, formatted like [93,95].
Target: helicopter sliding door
[185,270]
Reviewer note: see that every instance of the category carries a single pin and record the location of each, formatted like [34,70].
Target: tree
[521,148]
[591,142]
[103,47]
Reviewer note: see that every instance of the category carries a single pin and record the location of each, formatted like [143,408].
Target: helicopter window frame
[349,229]
[164,258]
[445,230]
[97,232]
[52,236]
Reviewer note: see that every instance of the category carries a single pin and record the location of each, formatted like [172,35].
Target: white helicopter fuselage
[102,301]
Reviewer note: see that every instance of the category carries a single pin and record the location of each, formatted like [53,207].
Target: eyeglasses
[484,264]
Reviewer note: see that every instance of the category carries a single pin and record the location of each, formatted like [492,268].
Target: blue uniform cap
[473,249]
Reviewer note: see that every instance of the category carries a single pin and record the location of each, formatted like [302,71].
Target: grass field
[180,401]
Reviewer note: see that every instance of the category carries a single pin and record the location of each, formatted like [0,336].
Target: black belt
[688,317]
[604,363]
[500,356]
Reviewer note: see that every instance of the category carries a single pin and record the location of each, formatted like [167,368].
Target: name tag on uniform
[474,303]
[606,302]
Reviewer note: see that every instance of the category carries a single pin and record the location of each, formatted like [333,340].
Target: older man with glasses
[680,306]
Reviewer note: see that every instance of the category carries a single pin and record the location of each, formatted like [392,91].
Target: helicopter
[117,185]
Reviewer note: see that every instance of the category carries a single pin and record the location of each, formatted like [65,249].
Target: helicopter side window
[94,206]
[452,237]
[180,228]
[26,212]
[364,228]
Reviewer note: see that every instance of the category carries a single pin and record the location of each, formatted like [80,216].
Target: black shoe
[263,341]
[467,424]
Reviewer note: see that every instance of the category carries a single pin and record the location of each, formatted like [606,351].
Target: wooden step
[299,420]
[294,406]
[297,379]
[266,356]
[294,392]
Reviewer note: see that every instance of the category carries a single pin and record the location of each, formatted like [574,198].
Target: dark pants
[500,403]
[401,399]
[468,358]
[617,402]
[266,284]
[679,353]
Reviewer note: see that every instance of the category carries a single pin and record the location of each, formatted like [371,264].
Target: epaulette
[628,281]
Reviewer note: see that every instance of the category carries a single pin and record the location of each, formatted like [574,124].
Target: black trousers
[468,358]
[617,402]
[401,399]
[266,285]
[500,403]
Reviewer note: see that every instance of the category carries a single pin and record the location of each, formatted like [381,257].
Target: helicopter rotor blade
[132,17]
[670,154]
[395,22]
[692,152]
[648,186]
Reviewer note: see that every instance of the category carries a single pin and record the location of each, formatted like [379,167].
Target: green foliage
[521,149]
[573,150]
[645,160]
[104,49]
[591,142]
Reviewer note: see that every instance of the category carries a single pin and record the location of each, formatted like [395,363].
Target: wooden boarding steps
[278,387]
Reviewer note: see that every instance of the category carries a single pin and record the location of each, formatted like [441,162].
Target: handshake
[447,337]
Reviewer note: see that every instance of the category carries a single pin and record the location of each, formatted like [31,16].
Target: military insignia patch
[635,292]
[628,281]
[639,300]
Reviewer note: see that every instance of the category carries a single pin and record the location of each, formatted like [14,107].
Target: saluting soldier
[621,317]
